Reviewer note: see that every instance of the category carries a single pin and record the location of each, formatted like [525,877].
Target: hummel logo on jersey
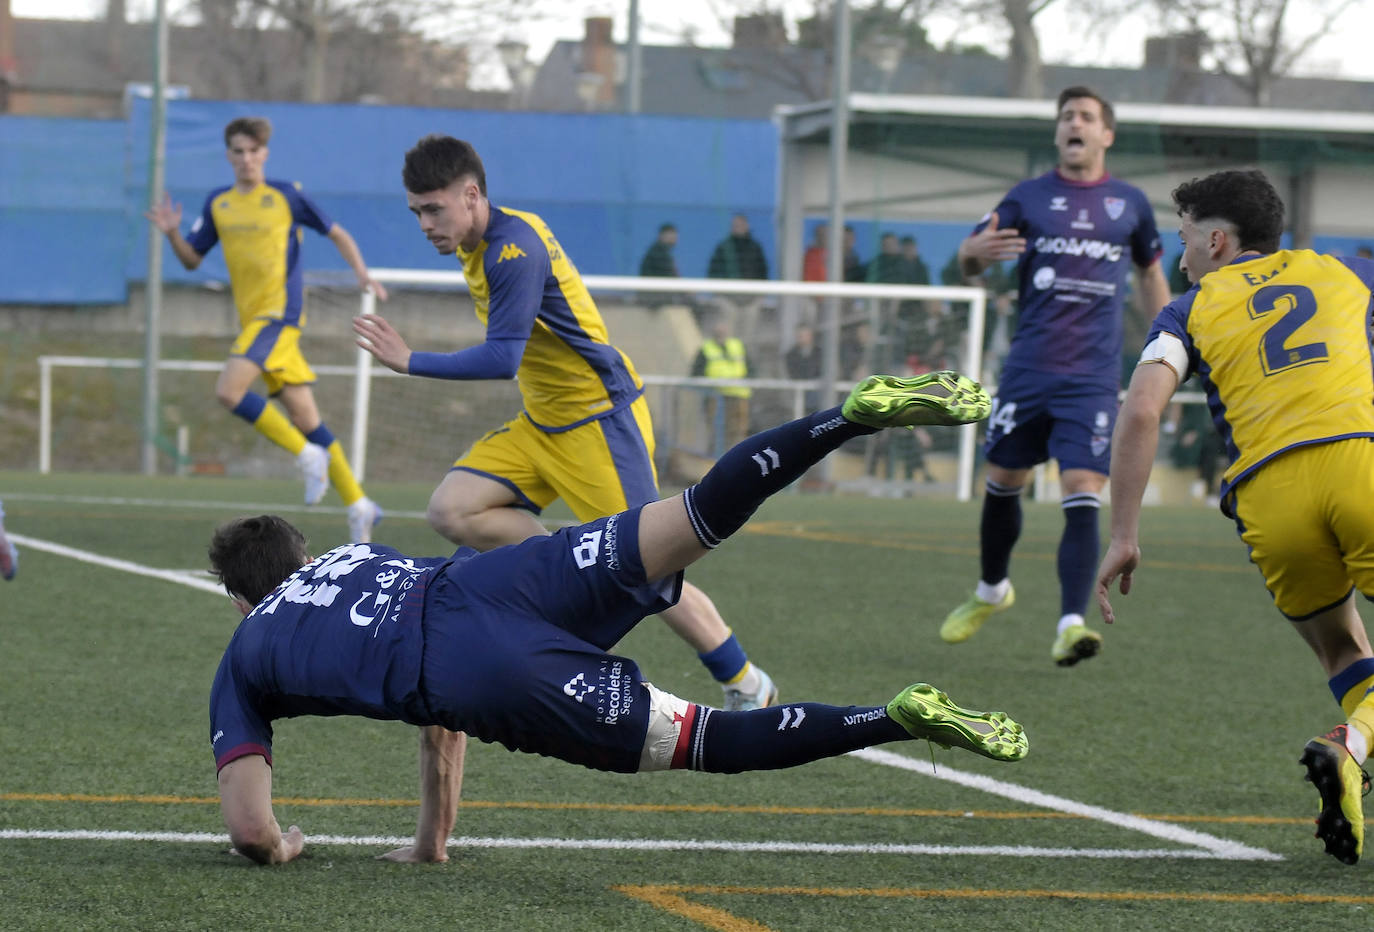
[585,551]
[510,251]
[1059,202]
[764,467]
[577,687]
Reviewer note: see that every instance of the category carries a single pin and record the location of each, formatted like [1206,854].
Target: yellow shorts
[275,348]
[1307,520]
[599,468]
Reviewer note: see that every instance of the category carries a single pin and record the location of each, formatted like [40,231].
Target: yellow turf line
[164,799]
[670,898]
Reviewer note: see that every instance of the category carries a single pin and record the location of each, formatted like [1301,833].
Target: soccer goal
[411,429]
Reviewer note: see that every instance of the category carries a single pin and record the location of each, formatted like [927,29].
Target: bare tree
[319,50]
[1252,41]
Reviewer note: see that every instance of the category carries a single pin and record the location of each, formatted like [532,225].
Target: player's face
[1201,252]
[449,216]
[1082,138]
[247,157]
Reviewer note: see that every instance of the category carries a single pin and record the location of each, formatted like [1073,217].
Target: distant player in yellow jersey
[1280,339]
[258,222]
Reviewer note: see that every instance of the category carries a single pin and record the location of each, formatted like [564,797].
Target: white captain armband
[1168,349]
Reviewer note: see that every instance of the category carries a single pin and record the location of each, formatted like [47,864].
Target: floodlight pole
[153,289]
[634,70]
[834,270]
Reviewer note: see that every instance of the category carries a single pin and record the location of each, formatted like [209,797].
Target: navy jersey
[1081,241]
[341,636]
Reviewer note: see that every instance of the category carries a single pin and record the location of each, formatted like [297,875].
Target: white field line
[1216,847]
[1207,846]
[633,844]
[239,507]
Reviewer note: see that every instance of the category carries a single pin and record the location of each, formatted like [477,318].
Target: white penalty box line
[1199,845]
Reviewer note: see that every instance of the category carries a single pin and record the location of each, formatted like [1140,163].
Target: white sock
[749,683]
[1355,743]
[1068,621]
[992,593]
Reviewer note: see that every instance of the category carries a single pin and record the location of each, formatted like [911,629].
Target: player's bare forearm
[1154,290]
[441,786]
[348,249]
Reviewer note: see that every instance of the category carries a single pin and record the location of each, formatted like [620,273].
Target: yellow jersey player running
[1280,340]
[258,221]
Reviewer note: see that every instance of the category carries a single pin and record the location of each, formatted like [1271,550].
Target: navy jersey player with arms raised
[1076,233]
[512,645]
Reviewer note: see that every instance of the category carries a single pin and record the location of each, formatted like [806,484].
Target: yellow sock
[1357,695]
[274,425]
[341,475]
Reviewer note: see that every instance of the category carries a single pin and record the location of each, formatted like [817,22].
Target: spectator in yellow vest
[723,356]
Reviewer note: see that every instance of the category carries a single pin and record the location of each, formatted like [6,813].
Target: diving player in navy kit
[1076,233]
[512,645]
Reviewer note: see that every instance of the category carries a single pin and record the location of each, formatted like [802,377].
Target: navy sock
[727,661]
[1078,552]
[784,735]
[999,531]
[250,407]
[321,435]
[755,468]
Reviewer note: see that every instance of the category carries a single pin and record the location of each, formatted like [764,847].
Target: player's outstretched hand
[1121,560]
[411,855]
[379,338]
[165,215]
[994,244]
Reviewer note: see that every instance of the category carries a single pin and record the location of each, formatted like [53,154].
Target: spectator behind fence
[813,261]
[723,356]
[803,363]
[739,255]
[659,262]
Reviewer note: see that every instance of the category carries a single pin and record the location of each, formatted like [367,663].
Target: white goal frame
[364,370]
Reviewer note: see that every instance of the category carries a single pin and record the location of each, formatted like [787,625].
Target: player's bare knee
[229,397]
[450,520]
[667,715]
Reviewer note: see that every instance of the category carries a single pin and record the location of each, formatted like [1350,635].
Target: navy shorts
[1037,416]
[516,644]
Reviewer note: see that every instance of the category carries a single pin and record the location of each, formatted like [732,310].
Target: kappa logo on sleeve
[510,251]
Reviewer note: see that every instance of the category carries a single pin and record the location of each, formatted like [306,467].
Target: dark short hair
[252,556]
[258,129]
[908,239]
[1243,198]
[666,227]
[437,161]
[1079,91]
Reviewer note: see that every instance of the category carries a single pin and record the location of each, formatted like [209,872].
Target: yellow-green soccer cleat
[1341,783]
[926,712]
[964,622]
[1075,643]
[944,398]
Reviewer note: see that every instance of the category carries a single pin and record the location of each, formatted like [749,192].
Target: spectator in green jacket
[739,255]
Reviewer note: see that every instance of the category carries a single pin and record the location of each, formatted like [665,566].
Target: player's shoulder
[514,234]
[216,192]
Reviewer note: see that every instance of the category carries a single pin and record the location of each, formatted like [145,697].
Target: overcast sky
[1345,53]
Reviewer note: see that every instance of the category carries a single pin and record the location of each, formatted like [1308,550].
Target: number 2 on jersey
[1296,305]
